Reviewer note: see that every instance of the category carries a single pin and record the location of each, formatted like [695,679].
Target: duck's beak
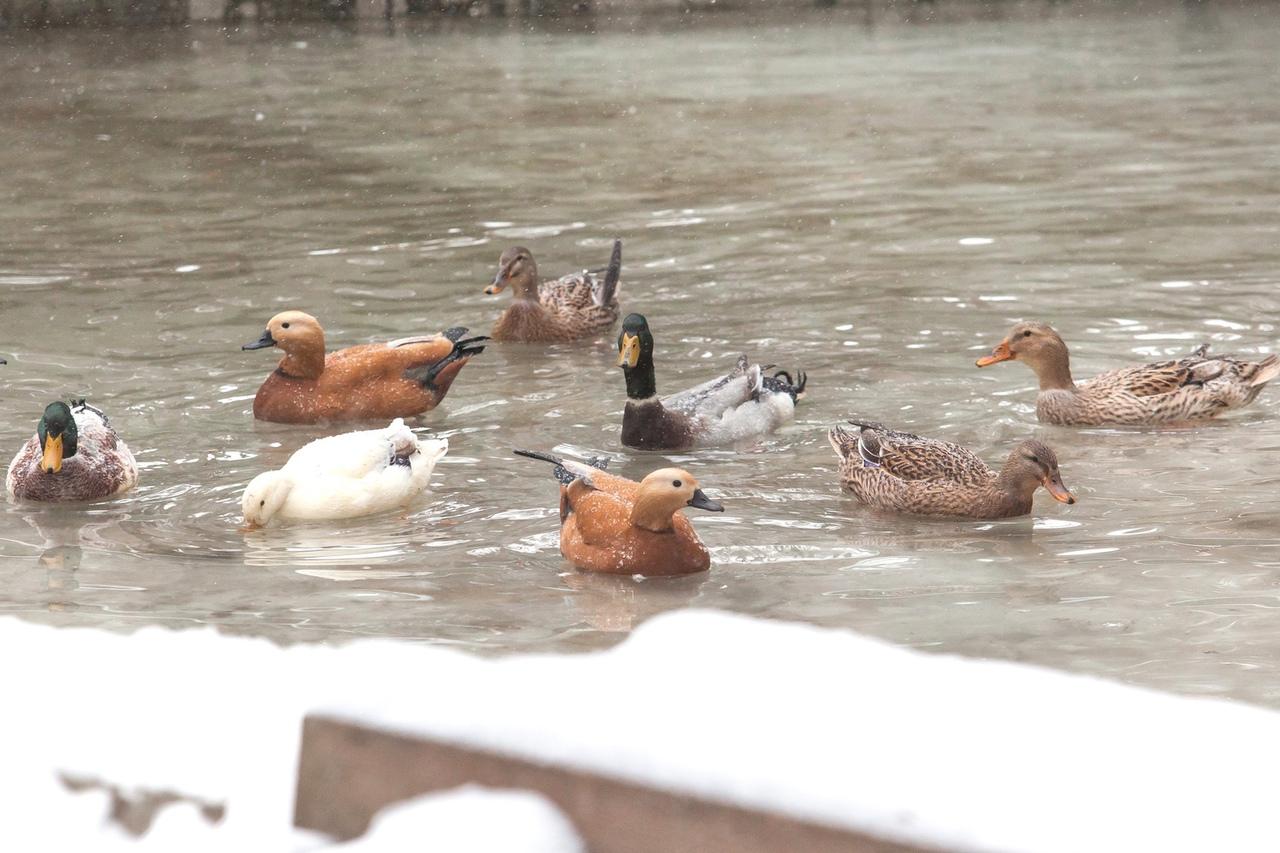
[701,501]
[51,461]
[261,343]
[629,351]
[1054,485]
[1000,353]
[499,280]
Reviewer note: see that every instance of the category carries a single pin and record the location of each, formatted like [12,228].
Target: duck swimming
[612,524]
[1194,388]
[75,455]
[907,473]
[580,305]
[742,404]
[398,379]
[345,476]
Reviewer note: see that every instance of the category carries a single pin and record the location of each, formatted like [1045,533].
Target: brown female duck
[580,305]
[902,472]
[1194,388]
[398,379]
[612,524]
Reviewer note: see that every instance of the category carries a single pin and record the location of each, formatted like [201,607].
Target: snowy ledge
[816,725]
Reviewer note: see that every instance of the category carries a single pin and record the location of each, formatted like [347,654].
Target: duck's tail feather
[612,273]
[1268,369]
[843,442]
[782,382]
[562,472]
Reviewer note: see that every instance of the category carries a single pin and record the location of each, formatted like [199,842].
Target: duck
[618,526]
[576,306]
[75,455]
[901,472]
[1195,388]
[396,379]
[345,476]
[743,404]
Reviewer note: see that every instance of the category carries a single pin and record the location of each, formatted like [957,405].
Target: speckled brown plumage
[398,379]
[615,525]
[908,473]
[101,467]
[1194,388]
[580,305]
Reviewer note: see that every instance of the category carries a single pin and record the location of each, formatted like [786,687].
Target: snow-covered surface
[469,820]
[821,724]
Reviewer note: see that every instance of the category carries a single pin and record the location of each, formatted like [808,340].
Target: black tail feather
[612,274]
[563,474]
[782,382]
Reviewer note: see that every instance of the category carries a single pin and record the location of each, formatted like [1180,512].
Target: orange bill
[1053,483]
[1000,353]
[51,461]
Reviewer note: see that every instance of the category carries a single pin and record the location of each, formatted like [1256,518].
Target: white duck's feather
[345,476]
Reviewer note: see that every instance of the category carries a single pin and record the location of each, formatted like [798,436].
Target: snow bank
[824,725]
[469,820]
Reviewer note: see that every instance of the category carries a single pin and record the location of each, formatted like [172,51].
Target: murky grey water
[875,203]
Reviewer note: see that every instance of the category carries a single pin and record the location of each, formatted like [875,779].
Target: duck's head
[635,342]
[290,330]
[1037,344]
[57,435]
[1033,464]
[665,492]
[263,497]
[516,268]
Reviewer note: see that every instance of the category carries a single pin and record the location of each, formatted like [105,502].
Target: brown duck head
[1031,465]
[664,493]
[302,339]
[516,268]
[1041,348]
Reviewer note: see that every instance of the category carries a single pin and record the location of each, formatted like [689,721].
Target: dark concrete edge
[348,772]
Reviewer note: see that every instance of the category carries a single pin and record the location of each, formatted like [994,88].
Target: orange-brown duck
[1194,388]
[908,473]
[398,379]
[580,305]
[612,524]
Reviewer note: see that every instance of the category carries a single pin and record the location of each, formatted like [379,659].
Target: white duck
[742,404]
[345,476]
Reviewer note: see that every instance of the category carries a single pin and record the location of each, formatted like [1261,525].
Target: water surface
[873,199]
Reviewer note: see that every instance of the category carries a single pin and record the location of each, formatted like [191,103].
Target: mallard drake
[345,476]
[1197,387]
[75,455]
[612,524]
[742,404]
[902,472]
[397,379]
[576,306]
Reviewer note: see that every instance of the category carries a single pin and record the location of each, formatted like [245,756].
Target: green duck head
[57,434]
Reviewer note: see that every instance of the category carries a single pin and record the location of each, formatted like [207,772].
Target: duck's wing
[355,455]
[1197,386]
[713,397]
[913,457]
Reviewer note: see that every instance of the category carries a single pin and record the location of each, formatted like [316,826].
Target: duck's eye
[1027,333]
[676,483]
[262,503]
[286,325]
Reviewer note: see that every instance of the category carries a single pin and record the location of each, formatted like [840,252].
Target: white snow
[825,725]
[470,819]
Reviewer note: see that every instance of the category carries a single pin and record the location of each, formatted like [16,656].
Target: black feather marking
[612,274]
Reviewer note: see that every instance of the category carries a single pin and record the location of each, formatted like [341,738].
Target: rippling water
[872,199]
